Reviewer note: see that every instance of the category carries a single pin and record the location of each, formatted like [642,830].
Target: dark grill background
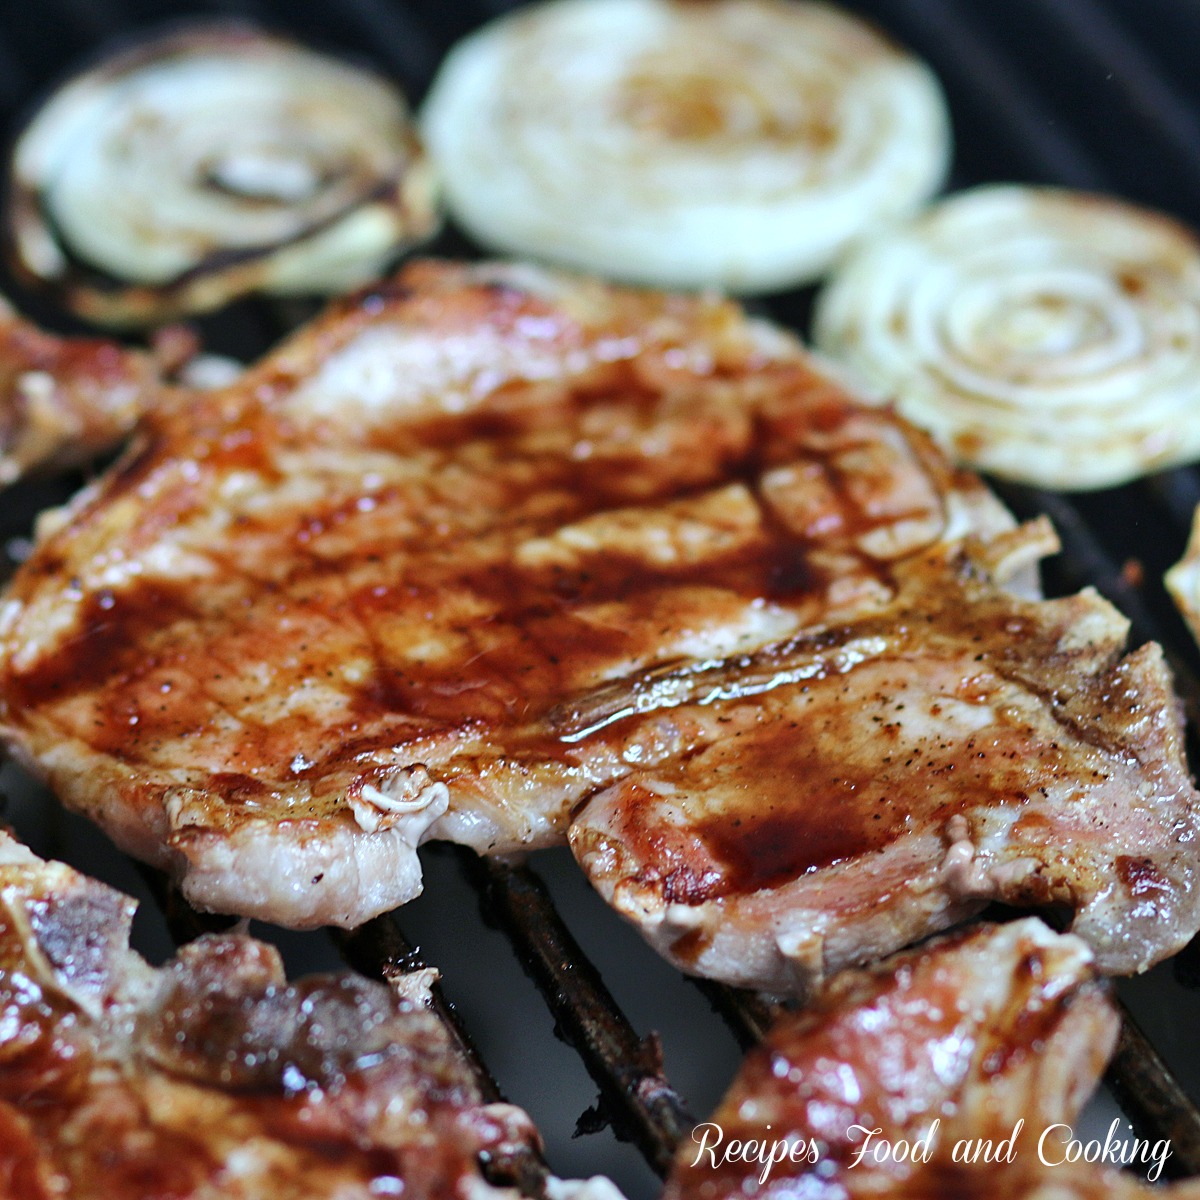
[1076,92]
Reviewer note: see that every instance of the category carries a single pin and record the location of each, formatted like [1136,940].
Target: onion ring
[210,162]
[1047,336]
[736,143]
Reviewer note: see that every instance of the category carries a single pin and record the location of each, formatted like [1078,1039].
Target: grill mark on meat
[502,683]
[851,813]
[1089,730]
[835,812]
[107,647]
[762,851]
[773,825]
[1143,880]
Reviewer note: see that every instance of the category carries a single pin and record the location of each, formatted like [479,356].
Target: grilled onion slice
[1045,335]
[210,162]
[738,143]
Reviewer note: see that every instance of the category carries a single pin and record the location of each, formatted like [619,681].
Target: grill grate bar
[1083,554]
[184,923]
[96,21]
[1178,492]
[380,950]
[246,10]
[394,32]
[14,79]
[1151,1096]
[643,1106]
[377,949]
[747,1014]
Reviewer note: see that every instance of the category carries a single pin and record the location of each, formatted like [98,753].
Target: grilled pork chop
[486,542]
[354,600]
[65,400]
[214,1077]
[954,1043]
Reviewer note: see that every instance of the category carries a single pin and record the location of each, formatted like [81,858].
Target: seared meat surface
[359,597]
[952,1044]
[212,1076]
[488,551]
[65,400]
[964,745]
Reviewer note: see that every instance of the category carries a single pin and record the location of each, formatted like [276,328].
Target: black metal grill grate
[1084,93]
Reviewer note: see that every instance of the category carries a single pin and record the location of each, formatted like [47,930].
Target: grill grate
[628,1069]
[1077,92]
[1157,1106]
[379,949]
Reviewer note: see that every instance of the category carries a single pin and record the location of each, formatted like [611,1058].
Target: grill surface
[1084,93]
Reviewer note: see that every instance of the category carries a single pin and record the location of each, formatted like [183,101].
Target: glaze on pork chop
[213,1077]
[865,783]
[946,1048]
[487,550]
[342,605]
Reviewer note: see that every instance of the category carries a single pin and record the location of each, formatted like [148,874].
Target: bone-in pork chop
[212,1076]
[484,544]
[343,604]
